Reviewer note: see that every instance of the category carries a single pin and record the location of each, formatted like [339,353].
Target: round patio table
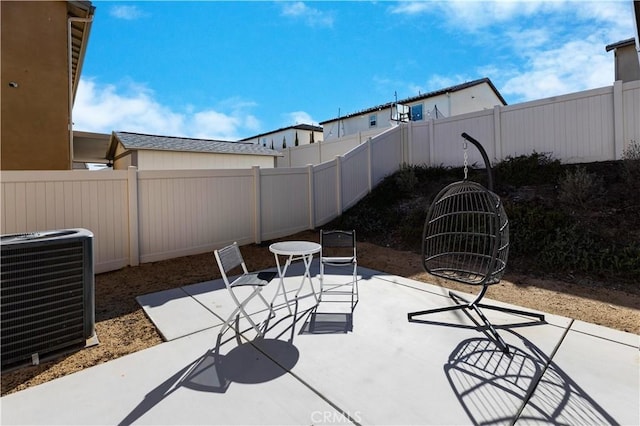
[292,251]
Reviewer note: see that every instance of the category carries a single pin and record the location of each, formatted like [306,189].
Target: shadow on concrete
[523,386]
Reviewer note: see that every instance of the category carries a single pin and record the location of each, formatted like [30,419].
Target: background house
[90,147]
[154,152]
[627,66]
[286,137]
[43,46]
[460,99]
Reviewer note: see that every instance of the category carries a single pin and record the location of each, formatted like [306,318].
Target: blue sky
[230,70]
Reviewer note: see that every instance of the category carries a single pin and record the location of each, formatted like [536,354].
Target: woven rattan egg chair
[466,239]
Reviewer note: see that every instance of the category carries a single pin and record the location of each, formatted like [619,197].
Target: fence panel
[420,143]
[448,145]
[300,156]
[574,128]
[332,149]
[185,212]
[325,184]
[631,103]
[284,160]
[355,176]
[386,154]
[48,200]
[284,202]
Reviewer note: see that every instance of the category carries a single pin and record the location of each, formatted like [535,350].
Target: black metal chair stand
[466,239]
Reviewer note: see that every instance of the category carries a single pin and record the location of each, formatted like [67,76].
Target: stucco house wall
[472,99]
[288,134]
[35,83]
[163,160]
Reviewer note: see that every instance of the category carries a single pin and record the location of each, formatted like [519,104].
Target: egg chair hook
[485,157]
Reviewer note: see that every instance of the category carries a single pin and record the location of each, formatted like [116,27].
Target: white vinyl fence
[321,152]
[145,216]
[46,200]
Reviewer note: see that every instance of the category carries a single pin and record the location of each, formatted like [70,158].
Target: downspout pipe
[70,21]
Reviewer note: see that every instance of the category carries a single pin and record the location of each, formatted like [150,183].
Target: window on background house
[373,120]
[416,113]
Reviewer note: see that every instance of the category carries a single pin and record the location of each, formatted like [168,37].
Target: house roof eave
[621,43]
[80,31]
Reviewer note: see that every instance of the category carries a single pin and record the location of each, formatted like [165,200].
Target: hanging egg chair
[466,239]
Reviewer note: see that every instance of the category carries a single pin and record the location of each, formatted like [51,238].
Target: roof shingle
[138,141]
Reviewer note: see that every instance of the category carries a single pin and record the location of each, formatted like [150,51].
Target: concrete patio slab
[193,316]
[592,378]
[343,364]
[395,372]
[177,382]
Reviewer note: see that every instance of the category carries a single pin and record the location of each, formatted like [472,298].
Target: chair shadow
[496,388]
[338,321]
[252,362]
[328,323]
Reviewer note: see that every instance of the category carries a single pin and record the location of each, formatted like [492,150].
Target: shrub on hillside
[631,162]
[535,169]
[577,188]
[545,237]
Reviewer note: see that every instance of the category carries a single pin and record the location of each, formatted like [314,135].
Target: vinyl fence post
[497,132]
[339,184]
[369,164]
[618,121]
[257,212]
[432,141]
[312,196]
[410,129]
[134,236]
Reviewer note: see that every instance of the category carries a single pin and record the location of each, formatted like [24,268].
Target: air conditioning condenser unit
[47,295]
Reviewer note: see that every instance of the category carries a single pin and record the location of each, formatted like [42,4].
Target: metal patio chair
[466,239]
[229,258]
[338,249]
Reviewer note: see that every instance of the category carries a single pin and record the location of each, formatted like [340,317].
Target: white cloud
[207,123]
[541,48]
[528,38]
[311,16]
[411,8]
[434,83]
[132,108]
[298,117]
[437,82]
[466,15]
[572,67]
[125,12]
